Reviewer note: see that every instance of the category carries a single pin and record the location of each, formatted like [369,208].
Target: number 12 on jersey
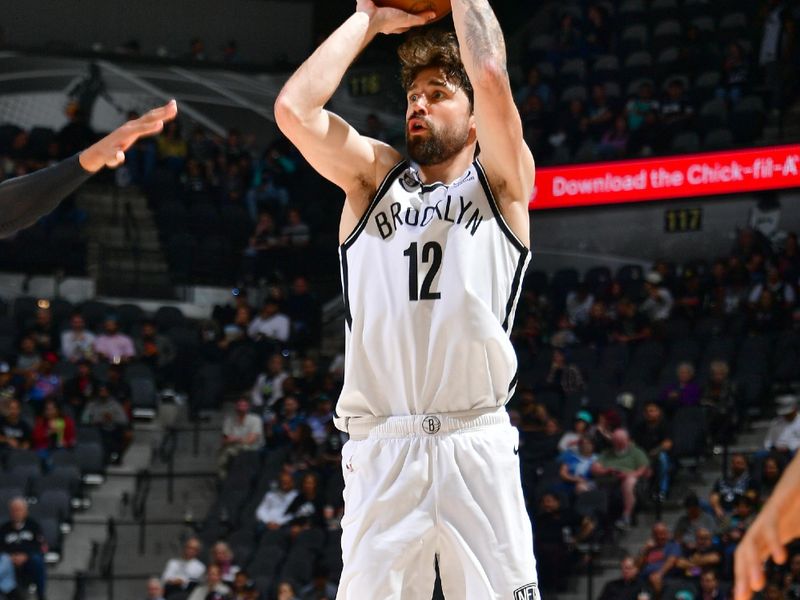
[431,253]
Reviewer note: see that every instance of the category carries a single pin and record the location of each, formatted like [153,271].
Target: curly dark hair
[433,48]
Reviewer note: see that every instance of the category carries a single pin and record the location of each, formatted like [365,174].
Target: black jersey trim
[348,317]
[496,209]
[382,189]
[512,297]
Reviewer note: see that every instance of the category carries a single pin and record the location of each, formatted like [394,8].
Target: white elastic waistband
[360,428]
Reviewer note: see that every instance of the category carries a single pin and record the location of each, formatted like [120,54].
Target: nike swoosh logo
[516,450]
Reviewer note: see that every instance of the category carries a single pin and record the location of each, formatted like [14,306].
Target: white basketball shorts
[440,487]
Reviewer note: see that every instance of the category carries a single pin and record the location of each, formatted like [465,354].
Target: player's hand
[110,151]
[391,20]
[763,539]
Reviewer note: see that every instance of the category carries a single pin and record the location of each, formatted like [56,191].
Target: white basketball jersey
[431,278]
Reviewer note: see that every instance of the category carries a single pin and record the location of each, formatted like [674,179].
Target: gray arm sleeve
[23,200]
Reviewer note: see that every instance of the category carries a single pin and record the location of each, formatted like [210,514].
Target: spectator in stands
[157,351]
[112,345]
[307,509]
[45,383]
[268,388]
[28,358]
[182,574]
[172,148]
[579,303]
[597,330]
[576,466]
[789,258]
[771,471]
[77,343]
[658,303]
[783,435]
[658,557]
[155,591]
[628,586]
[615,139]
[213,584]
[320,588]
[8,579]
[534,86]
[637,109]
[556,529]
[694,519]
[718,400]
[684,392]
[105,413]
[728,489]
[311,378]
[272,512]
[782,292]
[710,587]
[240,431]
[21,537]
[286,591]
[304,312]
[43,330]
[564,377]
[15,433]
[222,557]
[623,465]
[53,430]
[601,113]
[271,324]
[580,428]
[630,326]
[567,41]
[677,112]
[597,37]
[319,418]
[734,527]
[296,233]
[767,316]
[239,588]
[653,436]
[704,555]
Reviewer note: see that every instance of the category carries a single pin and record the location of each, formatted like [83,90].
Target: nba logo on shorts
[431,425]
[527,592]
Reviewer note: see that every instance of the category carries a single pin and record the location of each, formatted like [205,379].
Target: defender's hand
[391,20]
[110,151]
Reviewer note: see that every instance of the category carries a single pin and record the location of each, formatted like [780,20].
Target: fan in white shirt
[270,323]
[273,510]
[181,573]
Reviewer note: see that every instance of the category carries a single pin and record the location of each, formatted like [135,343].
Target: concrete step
[129,265]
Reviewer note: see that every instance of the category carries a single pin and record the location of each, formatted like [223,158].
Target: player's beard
[438,145]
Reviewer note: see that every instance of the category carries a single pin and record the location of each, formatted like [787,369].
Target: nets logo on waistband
[431,425]
[527,592]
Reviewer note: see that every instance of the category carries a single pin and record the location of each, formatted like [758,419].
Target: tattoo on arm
[484,38]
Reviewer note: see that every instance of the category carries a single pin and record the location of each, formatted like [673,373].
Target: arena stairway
[125,254]
[167,523]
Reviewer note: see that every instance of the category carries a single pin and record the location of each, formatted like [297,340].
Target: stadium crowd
[605,80]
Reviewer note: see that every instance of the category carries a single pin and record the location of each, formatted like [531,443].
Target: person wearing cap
[112,345]
[658,304]
[691,521]
[569,441]
[783,435]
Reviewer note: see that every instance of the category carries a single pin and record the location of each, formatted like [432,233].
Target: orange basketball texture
[440,7]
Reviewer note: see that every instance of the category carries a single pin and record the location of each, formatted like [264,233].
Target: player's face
[439,120]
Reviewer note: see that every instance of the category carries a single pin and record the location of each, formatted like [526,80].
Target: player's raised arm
[504,154]
[23,200]
[336,150]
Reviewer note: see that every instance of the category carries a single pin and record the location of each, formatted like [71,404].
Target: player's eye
[438,95]
[413,98]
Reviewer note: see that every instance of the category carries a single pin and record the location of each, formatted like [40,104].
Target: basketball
[440,7]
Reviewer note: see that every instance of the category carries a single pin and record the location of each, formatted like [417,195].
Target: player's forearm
[483,49]
[23,200]
[313,84]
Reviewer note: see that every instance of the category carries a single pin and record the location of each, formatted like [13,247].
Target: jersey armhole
[512,237]
[380,193]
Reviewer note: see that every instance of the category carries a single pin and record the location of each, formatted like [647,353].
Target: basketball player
[777,524]
[23,200]
[433,250]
